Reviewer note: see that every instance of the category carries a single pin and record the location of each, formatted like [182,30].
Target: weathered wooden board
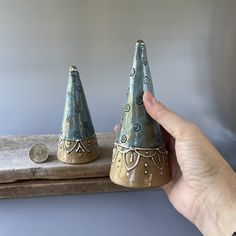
[33,188]
[15,164]
[20,177]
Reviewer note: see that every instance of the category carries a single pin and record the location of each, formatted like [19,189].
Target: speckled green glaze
[77,123]
[137,128]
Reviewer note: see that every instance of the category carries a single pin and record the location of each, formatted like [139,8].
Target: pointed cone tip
[140,42]
[73,68]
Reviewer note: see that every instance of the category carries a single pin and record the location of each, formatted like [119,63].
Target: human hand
[203,185]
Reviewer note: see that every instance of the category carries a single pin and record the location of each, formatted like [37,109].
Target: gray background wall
[192,54]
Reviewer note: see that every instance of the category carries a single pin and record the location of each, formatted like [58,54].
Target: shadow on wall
[219,83]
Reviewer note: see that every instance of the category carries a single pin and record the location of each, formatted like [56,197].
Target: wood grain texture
[33,188]
[20,177]
[15,164]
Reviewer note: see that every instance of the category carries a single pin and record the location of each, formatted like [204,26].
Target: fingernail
[149,98]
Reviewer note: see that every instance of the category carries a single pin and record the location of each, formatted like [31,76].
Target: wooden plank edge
[41,188]
[57,173]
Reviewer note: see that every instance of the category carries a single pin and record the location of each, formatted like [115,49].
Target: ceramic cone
[78,143]
[139,156]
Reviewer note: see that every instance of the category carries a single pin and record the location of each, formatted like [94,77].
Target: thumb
[170,121]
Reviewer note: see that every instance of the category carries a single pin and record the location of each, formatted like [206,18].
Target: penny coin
[38,153]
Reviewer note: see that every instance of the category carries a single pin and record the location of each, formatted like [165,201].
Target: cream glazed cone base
[78,152]
[140,167]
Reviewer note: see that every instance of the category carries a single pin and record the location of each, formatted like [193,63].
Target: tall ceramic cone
[139,156]
[78,143]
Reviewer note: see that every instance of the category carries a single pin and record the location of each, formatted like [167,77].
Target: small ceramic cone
[78,143]
[139,156]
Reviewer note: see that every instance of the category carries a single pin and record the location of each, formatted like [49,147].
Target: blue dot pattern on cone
[137,128]
[77,123]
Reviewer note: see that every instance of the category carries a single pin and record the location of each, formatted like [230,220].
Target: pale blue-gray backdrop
[192,53]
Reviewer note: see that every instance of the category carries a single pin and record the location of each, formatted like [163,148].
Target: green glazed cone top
[77,123]
[138,129]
